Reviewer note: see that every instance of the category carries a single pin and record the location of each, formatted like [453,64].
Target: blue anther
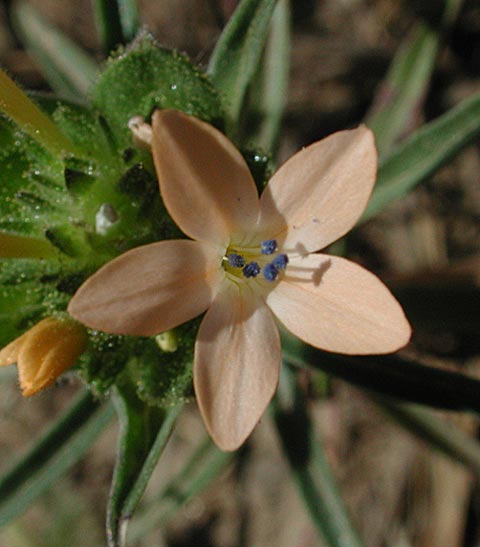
[270,272]
[280,262]
[235,260]
[252,269]
[268,247]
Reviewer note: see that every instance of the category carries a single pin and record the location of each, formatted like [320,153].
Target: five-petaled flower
[44,352]
[249,260]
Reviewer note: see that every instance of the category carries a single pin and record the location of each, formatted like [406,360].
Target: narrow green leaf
[237,54]
[69,70]
[391,375]
[109,26]
[203,466]
[442,435]
[52,455]
[404,88]
[144,432]
[130,18]
[425,152]
[268,93]
[400,97]
[117,22]
[310,467]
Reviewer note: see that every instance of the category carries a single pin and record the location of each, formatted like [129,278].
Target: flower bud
[44,352]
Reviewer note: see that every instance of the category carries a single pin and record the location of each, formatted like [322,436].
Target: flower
[44,352]
[249,260]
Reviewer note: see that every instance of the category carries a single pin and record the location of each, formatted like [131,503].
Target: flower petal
[150,289]
[204,180]
[336,305]
[319,194]
[237,363]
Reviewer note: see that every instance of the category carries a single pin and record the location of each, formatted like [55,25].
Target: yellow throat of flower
[243,263]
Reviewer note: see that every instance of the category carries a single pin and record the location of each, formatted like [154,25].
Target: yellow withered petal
[44,352]
[13,246]
[9,354]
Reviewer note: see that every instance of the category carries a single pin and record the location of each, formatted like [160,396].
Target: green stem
[56,450]
[204,465]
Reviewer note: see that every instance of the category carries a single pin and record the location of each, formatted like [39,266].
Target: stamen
[270,272]
[280,262]
[235,260]
[252,269]
[268,247]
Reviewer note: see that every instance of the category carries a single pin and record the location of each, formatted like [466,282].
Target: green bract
[144,77]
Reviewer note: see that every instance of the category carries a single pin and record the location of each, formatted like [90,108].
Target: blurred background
[400,492]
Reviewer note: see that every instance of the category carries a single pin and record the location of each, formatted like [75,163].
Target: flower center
[249,262]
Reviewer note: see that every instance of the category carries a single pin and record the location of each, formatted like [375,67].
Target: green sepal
[32,289]
[59,199]
[32,192]
[164,378]
[104,359]
[87,130]
[69,239]
[144,76]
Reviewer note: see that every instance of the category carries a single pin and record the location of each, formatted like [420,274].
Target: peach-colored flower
[249,260]
[44,352]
